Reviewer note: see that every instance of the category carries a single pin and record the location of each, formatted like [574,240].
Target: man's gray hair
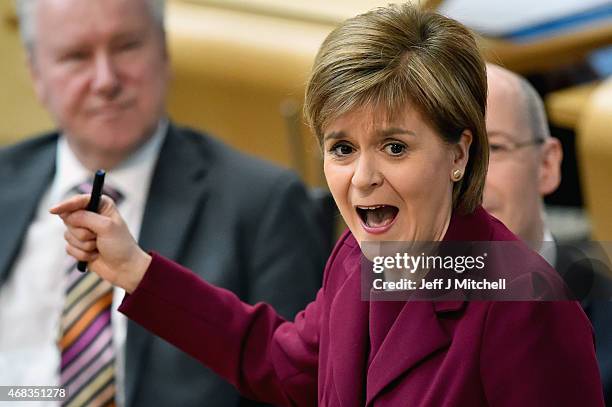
[27,8]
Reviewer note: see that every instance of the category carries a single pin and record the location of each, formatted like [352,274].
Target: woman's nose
[367,174]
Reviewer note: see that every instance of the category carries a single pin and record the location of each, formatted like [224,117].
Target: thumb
[107,207]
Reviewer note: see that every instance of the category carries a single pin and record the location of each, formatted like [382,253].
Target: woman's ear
[461,150]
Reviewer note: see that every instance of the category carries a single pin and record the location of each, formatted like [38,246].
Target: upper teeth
[370,207]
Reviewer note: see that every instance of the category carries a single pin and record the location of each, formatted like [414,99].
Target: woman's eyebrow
[334,135]
[391,131]
[382,133]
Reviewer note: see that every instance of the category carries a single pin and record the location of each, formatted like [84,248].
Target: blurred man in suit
[524,166]
[101,69]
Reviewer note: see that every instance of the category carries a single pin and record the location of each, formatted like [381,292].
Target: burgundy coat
[341,351]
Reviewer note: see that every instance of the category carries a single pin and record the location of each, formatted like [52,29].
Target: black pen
[94,202]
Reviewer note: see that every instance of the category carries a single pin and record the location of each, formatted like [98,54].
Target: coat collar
[474,227]
[417,324]
[416,334]
[175,192]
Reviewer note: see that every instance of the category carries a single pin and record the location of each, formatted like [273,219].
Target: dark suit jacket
[345,352]
[234,220]
[587,276]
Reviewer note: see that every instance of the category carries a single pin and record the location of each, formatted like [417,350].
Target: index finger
[80,202]
[70,205]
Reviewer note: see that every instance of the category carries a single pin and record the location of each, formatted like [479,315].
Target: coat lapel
[175,194]
[348,335]
[177,191]
[417,331]
[22,189]
[415,334]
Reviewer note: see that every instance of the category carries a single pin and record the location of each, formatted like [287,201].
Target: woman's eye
[341,150]
[395,149]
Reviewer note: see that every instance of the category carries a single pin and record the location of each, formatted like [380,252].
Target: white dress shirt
[32,299]
[548,249]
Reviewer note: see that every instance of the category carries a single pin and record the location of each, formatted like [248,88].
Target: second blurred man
[524,166]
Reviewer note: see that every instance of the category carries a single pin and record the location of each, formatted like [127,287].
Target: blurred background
[240,67]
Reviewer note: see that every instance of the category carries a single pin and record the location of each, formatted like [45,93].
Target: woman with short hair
[397,99]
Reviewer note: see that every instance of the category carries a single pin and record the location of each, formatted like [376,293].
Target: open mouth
[377,216]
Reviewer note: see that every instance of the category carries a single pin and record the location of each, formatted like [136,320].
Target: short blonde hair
[398,55]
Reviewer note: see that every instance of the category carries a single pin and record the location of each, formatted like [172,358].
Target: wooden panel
[564,107]
[233,73]
[318,11]
[20,113]
[595,151]
[544,54]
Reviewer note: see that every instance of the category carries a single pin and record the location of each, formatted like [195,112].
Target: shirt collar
[548,248]
[131,177]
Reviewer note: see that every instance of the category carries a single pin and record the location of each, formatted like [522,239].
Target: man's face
[521,170]
[100,67]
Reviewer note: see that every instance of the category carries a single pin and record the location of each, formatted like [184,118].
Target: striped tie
[86,340]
